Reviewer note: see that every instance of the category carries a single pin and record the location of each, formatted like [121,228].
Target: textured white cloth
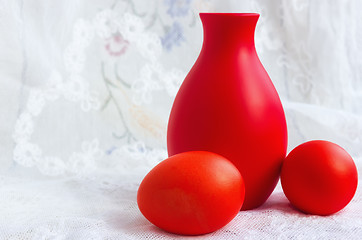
[87,86]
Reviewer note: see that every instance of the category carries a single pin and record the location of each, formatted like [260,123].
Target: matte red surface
[319,177]
[228,105]
[191,193]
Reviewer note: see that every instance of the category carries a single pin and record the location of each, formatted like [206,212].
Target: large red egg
[191,193]
[319,177]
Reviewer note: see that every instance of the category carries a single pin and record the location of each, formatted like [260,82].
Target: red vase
[228,105]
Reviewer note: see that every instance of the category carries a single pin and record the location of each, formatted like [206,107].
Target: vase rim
[230,14]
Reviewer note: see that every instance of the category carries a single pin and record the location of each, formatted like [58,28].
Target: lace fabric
[87,87]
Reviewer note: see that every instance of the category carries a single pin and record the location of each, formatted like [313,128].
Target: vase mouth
[230,14]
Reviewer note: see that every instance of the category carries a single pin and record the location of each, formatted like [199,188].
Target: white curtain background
[85,92]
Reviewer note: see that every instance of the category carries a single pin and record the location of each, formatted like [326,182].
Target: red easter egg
[191,193]
[319,177]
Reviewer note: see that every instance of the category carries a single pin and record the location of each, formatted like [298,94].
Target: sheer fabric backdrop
[87,86]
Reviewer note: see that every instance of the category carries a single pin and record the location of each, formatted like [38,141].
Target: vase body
[227,104]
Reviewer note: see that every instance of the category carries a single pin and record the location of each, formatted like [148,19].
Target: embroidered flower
[148,82]
[178,8]
[24,128]
[83,33]
[83,163]
[116,45]
[36,102]
[74,58]
[90,101]
[27,154]
[172,81]
[131,27]
[150,47]
[105,24]
[174,36]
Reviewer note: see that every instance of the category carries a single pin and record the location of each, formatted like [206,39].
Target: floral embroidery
[174,36]
[85,162]
[116,32]
[116,45]
[178,8]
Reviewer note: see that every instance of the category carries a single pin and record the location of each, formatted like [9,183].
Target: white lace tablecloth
[87,86]
[88,209]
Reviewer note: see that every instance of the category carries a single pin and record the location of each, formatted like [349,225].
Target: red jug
[227,104]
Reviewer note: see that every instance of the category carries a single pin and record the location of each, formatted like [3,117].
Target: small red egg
[191,193]
[319,177]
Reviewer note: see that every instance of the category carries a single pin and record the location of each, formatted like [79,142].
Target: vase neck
[229,30]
